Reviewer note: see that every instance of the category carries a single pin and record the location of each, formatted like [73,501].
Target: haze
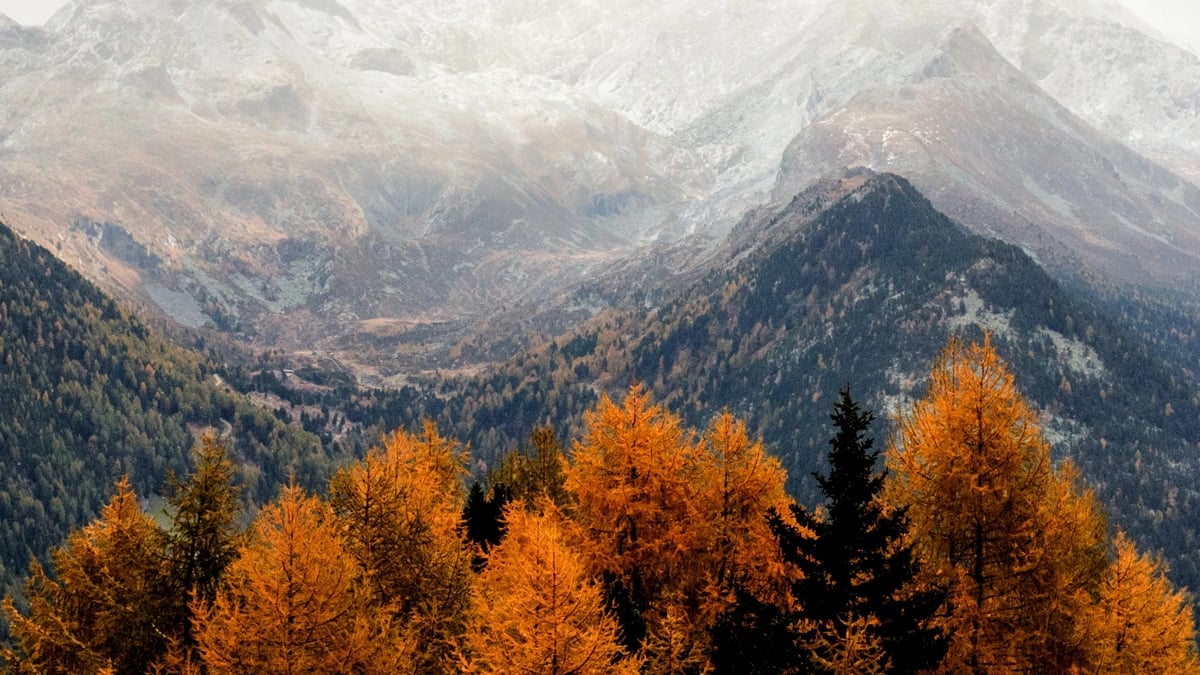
[1178,20]
[30,12]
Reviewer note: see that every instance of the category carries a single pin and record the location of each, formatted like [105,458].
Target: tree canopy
[655,548]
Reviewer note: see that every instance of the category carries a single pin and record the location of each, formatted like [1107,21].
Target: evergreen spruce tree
[856,567]
[752,637]
[483,519]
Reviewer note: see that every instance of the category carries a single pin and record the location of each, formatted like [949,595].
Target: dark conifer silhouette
[483,519]
[753,637]
[856,574]
[856,566]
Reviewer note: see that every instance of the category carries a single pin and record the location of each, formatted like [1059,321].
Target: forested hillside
[856,281]
[88,394]
[861,280]
[653,548]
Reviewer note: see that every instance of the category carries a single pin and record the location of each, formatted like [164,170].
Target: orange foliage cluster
[620,560]
[1034,580]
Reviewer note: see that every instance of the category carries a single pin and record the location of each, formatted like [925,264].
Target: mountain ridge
[413,164]
[1012,161]
[859,280]
[90,394]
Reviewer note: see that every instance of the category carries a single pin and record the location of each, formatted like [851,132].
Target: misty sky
[1178,19]
[30,12]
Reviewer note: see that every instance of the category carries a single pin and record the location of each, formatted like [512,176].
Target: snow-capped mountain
[311,169]
[263,161]
[997,153]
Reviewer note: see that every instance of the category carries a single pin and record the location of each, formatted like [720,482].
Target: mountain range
[859,281]
[326,174]
[488,213]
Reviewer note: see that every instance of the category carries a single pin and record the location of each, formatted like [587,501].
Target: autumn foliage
[295,602]
[537,608]
[649,547]
[1020,543]
[101,611]
[1142,623]
[398,512]
[671,521]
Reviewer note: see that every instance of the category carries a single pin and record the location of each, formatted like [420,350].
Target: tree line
[650,547]
[90,393]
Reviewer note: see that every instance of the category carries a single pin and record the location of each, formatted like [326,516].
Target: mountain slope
[994,152]
[861,281]
[329,175]
[290,192]
[89,394]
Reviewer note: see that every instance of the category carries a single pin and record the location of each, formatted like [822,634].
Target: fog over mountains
[313,174]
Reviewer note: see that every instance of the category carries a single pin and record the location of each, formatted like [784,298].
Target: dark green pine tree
[204,534]
[483,519]
[753,637]
[857,564]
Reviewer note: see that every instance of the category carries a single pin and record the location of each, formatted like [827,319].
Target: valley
[308,224]
[294,173]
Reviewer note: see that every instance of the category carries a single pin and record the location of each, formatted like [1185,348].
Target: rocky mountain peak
[283,155]
[963,50]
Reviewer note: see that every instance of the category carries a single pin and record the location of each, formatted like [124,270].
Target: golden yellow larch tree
[399,510]
[737,485]
[1074,561]
[676,644]
[632,476]
[850,648]
[1143,624]
[734,485]
[107,610]
[179,659]
[294,602]
[1018,543]
[674,523]
[537,609]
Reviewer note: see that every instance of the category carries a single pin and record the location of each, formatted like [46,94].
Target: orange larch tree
[294,602]
[1020,545]
[852,649]
[737,485]
[537,609]
[675,644]
[632,476]
[673,522]
[107,610]
[1143,624]
[399,510]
